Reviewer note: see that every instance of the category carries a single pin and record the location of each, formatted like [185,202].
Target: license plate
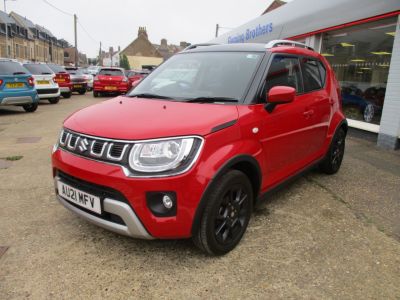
[60,80]
[43,82]
[79,197]
[15,85]
[77,86]
[110,88]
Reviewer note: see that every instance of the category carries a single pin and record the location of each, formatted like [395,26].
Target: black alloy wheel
[333,159]
[226,214]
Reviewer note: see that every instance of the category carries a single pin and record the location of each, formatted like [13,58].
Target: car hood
[136,118]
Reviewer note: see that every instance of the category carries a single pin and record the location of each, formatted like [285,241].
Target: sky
[115,23]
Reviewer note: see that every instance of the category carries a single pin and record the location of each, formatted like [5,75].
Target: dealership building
[360,39]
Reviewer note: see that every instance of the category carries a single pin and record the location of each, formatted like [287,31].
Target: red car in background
[63,79]
[110,80]
[136,75]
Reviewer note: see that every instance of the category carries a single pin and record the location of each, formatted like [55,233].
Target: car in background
[78,79]
[89,78]
[136,75]
[63,79]
[94,70]
[44,79]
[110,80]
[17,86]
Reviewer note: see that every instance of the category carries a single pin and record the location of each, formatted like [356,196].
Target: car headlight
[157,156]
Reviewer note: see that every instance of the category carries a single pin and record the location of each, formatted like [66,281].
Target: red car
[63,79]
[200,141]
[110,80]
[136,75]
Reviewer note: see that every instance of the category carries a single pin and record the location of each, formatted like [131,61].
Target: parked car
[89,78]
[45,84]
[63,79]
[192,158]
[136,75]
[78,79]
[110,80]
[94,70]
[17,86]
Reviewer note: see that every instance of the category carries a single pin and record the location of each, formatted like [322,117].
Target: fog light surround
[162,204]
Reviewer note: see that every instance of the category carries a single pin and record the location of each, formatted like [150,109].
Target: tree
[124,62]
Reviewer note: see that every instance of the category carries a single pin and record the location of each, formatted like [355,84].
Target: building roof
[45,30]
[5,18]
[141,46]
[22,20]
[274,5]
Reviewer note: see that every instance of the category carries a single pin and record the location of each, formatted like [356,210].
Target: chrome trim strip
[69,146]
[133,228]
[66,138]
[102,149]
[109,156]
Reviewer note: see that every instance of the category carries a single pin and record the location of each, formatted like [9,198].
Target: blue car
[17,86]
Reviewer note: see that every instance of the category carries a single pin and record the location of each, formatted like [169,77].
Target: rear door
[318,103]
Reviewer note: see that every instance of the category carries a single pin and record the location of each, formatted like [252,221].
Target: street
[321,237]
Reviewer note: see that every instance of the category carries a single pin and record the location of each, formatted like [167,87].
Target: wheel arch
[244,163]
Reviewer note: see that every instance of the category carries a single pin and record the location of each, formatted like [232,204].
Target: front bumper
[188,187]
[132,227]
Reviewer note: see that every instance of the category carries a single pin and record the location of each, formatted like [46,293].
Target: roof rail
[276,43]
[198,45]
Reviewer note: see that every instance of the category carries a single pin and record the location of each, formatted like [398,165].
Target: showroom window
[360,56]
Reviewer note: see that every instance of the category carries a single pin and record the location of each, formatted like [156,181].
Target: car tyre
[31,107]
[333,158]
[369,112]
[96,94]
[54,100]
[226,214]
[66,95]
[82,92]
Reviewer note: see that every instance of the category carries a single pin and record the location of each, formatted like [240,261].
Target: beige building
[27,41]
[142,52]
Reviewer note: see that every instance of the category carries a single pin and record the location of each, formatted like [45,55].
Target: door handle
[308,113]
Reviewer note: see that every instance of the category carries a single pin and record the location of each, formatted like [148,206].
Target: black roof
[253,47]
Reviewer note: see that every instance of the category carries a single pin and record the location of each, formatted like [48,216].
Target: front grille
[97,190]
[47,91]
[95,148]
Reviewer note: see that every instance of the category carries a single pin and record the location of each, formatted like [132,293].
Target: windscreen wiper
[149,95]
[46,73]
[18,73]
[212,99]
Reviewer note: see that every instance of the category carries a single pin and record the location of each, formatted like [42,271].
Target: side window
[311,75]
[322,71]
[284,71]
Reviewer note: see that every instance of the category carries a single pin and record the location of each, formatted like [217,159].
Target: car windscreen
[190,76]
[57,68]
[74,71]
[111,72]
[38,69]
[12,68]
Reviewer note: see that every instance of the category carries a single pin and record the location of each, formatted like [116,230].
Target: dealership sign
[251,33]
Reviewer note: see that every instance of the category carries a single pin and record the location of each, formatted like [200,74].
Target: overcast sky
[115,23]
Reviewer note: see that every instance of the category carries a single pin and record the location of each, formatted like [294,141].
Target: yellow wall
[136,62]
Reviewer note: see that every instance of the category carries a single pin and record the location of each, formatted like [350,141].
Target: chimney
[164,42]
[142,31]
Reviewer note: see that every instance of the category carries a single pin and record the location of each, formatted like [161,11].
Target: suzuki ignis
[200,141]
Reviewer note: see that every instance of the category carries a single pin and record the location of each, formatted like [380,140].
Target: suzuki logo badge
[83,145]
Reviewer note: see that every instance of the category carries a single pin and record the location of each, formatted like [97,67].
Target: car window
[74,71]
[12,68]
[284,71]
[57,68]
[311,75]
[322,72]
[38,69]
[111,72]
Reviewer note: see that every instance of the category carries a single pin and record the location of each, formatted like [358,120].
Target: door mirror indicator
[279,95]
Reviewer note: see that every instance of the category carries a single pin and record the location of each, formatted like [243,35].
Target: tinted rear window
[57,68]
[12,68]
[38,69]
[312,77]
[111,72]
[74,71]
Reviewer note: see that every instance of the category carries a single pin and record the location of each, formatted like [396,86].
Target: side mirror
[279,95]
